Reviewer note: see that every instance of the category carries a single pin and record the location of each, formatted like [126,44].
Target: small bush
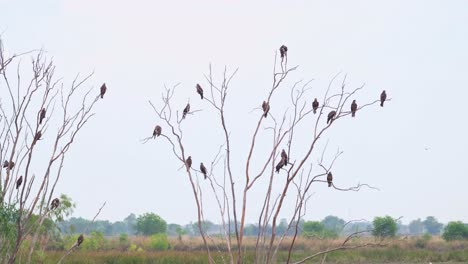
[159,242]
[384,227]
[455,231]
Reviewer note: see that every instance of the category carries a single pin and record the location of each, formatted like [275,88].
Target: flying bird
[54,204]
[331,115]
[283,51]
[329,179]
[188,162]
[203,169]
[18,182]
[200,91]
[266,108]
[186,110]
[103,90]
[383,97]
[42,115]
[80,240]
[279,165]
[353,108]
[157,131]
[284,156]
[315,105]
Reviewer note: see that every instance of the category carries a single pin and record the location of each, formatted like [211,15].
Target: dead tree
[287,164]
[40,118]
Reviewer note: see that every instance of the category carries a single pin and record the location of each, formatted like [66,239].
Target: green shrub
[159,242]
[455,231]
[423,240]
[384,227]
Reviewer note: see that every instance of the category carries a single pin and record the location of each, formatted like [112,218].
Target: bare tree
[40,119]
[285,156]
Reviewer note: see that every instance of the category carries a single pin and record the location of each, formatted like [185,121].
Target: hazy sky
[416,50]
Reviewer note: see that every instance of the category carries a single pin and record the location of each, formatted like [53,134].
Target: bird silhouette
[5,164]
[329,179]
[266,108]
[203,170]
[279,165]
[200,91]
[79,240]
[11,164]
[54,204]
[315,105]
[38,136]
[157,131]
[331,115]
[42,115]
[353,108]
[188,162]
[383,97]
[283,51]
[186,110]
[18,182]
[284,156]
[103,90]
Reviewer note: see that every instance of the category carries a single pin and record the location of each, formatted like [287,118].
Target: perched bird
[200,91]
[38,136]
[54,204]
[11,164]
[383,97]
[266,108]
[329,179]
[186,110]
[6,164]
[203,169]
[42,115]
[315,105]
[188,162]
[18,182]
[279,165]
[283,51]
[331,115]
[353,108]
[80,240]
[284,156]
[157,131]
[103,90]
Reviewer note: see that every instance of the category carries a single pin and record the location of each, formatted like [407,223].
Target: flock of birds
[266,108]
[10,164]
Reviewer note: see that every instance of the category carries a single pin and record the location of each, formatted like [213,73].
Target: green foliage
[159,242]
[432,226]
[317,229]
[8,216]
[149,224]
[95,241]
[423,240]
[384,227]
[333,223]
[455,231]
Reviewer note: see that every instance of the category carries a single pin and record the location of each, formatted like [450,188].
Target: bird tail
[381,103]
[315,111]
[102,96]
[201,96]
[353,114]
[329,184]
[265,115]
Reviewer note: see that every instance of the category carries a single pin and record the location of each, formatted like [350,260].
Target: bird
[11,164]
[5,164]
[331,115]
[38,136]
[80,240]
[284,156]
[157,131]
[42,115]
[203,169]
[18,182]
[188,162]
[54,204]
[279,165]
[186,110]
[200,91]
[283,51]
[103,90]
[383,97]
[315,105]
[353,108]
[329,179]
[266,108]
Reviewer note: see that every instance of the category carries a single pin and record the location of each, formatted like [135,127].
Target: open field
[410,250]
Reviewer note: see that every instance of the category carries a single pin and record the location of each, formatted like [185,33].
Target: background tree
[384,227]
[416,227]
[432,226]
[455,231]
[149,224]
[334,224]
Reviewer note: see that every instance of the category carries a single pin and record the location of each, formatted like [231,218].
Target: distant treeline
[330,226]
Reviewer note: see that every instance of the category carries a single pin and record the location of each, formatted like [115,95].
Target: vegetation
[455,231]
[384,227]
[149,224]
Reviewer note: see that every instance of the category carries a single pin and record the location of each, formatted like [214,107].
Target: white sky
[416,50]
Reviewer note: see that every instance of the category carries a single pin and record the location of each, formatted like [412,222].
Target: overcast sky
[416,50]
